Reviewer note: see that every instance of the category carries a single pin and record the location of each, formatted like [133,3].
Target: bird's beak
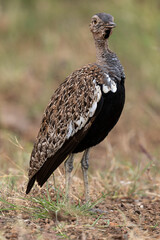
[111,25]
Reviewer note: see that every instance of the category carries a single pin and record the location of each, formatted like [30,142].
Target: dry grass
[128,195]
[41,43]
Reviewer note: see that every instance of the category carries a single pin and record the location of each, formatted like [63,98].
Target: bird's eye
[95,21]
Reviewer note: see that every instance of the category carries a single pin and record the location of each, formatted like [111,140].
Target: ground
[118,209]
[41,43]
[120,218]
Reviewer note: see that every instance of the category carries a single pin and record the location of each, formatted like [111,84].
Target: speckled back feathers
[69,109]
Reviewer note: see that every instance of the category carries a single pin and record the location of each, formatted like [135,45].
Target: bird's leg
[85,166]
[68,169]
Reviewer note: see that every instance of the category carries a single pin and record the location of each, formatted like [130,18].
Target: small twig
[16,143]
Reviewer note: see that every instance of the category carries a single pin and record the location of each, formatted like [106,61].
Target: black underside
[107,114]
[111,110]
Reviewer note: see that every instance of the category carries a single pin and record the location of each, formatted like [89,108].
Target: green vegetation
[41,42]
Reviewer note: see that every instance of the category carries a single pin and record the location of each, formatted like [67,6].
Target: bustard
[81,112]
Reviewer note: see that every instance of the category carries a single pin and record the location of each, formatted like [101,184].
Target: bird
[81,112]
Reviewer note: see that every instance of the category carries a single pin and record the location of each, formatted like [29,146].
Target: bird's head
[101,26]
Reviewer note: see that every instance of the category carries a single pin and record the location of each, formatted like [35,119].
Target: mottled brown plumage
[71,101]
[68,123]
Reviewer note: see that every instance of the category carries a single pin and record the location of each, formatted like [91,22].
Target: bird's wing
[66,120]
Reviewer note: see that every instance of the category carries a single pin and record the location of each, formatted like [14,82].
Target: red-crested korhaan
[81,112]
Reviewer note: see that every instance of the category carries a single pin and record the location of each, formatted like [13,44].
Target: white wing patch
[105,88]
[74,126]
[81,122]
[69,130]
[113,86]
[110,86]
[92,109]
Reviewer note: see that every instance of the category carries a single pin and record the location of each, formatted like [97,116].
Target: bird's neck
[102,51]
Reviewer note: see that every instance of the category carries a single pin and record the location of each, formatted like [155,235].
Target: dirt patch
[122,219]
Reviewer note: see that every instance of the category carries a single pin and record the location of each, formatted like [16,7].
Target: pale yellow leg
[68,169]
[85,166]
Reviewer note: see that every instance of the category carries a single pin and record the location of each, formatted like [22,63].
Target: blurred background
[41,42]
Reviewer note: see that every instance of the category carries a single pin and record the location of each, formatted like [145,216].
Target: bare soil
[122,219]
